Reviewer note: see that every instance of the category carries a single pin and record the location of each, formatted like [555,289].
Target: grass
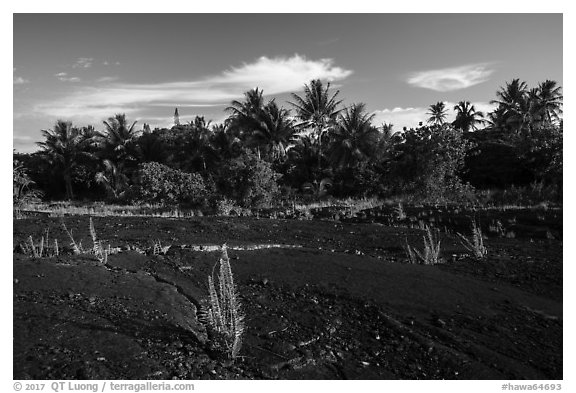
[474,244]
[225,318]
[430,255]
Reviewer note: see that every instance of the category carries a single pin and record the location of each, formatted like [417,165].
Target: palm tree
[302,157]
[198,147]
[354,138]
[513,101]
[317,109]
[113,179]
[118,146]
[550,100]
[437,113]
[63,147]
[387,130]
[226,145]
[244,115]
[496,119]
[467,116]
[118,141]
[275,130]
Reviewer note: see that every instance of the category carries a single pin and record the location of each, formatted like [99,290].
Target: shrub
[158,183]
[427,163]
[250,181]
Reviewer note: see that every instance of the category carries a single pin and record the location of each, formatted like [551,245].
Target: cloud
[63,77]
[410,117]
[107,79]
[273,75]
[450,79]
[83,62]
[18,80]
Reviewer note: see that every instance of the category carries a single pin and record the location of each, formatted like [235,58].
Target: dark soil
[344,305]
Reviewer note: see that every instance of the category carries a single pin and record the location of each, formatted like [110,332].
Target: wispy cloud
[410,117]
[105,79]
[18,80]
[63,77]
[449,79]
[83,62]
[273,75]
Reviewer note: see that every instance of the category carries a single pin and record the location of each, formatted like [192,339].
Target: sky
[88,67]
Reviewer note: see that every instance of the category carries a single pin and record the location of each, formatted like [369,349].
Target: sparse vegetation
[41,249]
[97,247]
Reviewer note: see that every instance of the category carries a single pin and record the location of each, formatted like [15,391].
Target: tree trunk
[68,184]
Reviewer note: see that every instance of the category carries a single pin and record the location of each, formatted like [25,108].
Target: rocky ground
[342,302]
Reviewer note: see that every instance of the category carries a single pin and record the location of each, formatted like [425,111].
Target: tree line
[315,146]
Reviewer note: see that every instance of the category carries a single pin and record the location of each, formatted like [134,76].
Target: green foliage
[427,162]
[22,191]
[249,180]
[158,183]
[244,157]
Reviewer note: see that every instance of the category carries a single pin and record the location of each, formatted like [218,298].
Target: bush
[427,162]
[250,181]
[158,183]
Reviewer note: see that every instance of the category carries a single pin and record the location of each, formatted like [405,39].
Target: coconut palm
[199,150]
[244,115]
[118,146]
[226,145]
[113,179]
[467,117]
[496,120]
[317,109]
[275,130]
[387,130]
[550,100]
[117,142]
[302,158]
[354,138]
[63,147]
[514,104]
[437,113]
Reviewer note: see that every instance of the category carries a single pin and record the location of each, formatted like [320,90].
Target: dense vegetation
[264,153]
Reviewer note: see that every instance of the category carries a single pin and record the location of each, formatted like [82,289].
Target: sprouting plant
[158,249]
[77,249]
[40,249]
[431,253]
[399,212]
[225,317]
[97,247]
[475,244]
